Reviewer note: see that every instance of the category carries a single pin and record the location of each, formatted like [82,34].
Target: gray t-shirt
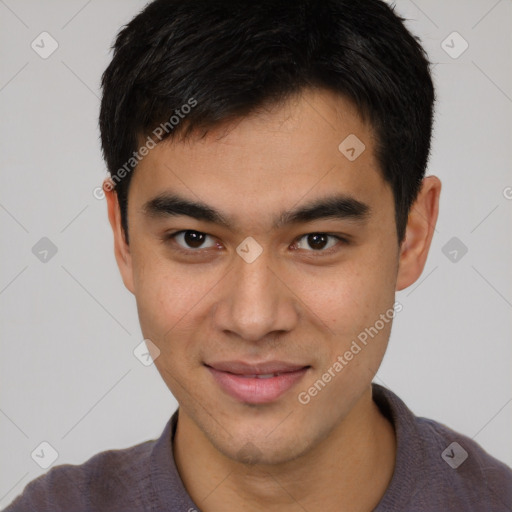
[437,470]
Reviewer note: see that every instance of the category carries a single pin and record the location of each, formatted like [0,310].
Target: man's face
[218,315]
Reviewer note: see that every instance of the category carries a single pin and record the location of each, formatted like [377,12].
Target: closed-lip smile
[256,383]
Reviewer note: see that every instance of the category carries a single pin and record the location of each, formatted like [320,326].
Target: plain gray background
[69,327]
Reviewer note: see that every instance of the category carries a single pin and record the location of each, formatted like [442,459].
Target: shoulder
[107,481]
[464,467]
[438,468]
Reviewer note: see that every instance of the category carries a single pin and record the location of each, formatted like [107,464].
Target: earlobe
[121,248]
[419,232]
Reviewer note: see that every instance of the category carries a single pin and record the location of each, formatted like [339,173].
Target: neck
[349,470]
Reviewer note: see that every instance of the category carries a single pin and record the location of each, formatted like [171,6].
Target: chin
[251,455]
[263,449]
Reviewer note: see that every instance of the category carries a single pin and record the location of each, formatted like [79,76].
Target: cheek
[163,294]
[352,295]
[171,300]
[168,302]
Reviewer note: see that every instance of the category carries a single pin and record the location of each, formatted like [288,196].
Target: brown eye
[190,239]
[317,241]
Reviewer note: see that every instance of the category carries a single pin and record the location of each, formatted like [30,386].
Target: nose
[256,302]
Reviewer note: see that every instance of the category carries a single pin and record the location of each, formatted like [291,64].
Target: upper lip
[243,368]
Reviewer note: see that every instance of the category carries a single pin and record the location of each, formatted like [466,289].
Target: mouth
[256,383]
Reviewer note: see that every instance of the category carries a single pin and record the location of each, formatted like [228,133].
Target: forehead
[311,146]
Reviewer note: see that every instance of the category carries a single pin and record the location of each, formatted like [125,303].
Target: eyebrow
[340,206]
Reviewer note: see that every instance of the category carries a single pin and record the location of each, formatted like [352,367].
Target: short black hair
[215,60]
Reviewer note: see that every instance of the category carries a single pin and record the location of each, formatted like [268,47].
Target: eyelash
[317,253]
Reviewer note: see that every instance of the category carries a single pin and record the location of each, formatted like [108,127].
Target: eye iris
[317,240]
[194,238]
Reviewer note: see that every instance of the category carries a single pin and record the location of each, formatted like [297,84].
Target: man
[267,198]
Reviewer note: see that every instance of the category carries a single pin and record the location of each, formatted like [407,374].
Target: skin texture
[291,304]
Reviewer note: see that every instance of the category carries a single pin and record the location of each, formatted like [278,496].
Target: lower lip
[256,391]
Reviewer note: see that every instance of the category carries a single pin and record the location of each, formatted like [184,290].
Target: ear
[419,232]
[121,248]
